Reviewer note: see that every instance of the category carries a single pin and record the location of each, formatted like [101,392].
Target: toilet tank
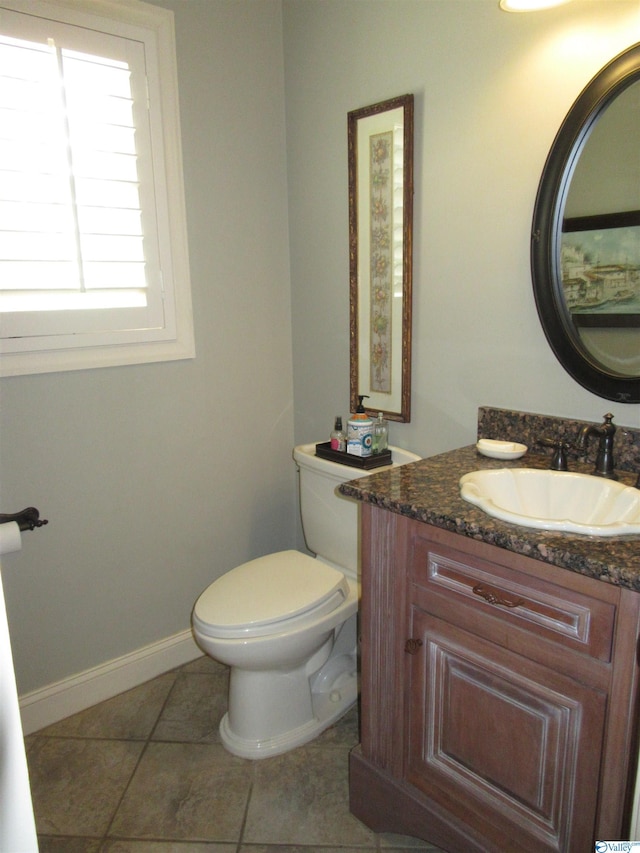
[330,520]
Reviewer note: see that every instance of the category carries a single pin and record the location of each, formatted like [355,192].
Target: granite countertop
[428,491]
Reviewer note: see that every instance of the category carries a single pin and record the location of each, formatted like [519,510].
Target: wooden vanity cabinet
[498,695]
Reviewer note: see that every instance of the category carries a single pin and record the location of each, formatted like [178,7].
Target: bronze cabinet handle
[412,646]
[496,597]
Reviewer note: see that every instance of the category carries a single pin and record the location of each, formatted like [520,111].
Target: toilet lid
[259,595]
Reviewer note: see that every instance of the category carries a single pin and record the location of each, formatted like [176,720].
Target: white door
[17,824]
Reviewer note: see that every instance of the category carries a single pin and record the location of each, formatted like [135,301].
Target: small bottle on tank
[380,441]
[338,437]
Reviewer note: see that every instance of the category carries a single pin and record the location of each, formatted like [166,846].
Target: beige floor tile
[130,716]
[391,843]
[166,847]
[76,784]
[181,792]
[301,798]
[306,848]
[68,845]
[204,664]
[184,791]
[194,708]
[343,734]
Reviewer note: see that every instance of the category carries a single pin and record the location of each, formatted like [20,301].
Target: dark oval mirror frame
[555,318]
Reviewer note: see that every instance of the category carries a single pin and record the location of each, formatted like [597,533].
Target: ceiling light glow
[529,5]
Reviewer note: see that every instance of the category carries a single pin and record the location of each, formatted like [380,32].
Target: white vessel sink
[555,500]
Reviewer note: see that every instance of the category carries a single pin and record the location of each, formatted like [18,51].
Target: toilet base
[334,690]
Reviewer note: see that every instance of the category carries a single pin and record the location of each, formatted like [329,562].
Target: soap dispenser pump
[359,431]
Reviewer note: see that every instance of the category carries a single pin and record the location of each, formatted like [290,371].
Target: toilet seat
[266,595]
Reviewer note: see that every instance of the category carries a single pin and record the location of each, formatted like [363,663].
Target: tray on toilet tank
[363,462]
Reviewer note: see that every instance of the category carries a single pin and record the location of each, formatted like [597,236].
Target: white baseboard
[49,704]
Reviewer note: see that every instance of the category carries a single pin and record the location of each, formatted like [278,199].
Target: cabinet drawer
[511,593]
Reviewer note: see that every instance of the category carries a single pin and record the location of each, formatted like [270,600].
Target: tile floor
[145,772]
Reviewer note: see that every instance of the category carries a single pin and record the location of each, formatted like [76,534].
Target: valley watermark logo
[617,847]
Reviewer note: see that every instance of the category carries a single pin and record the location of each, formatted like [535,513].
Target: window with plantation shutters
[91,272]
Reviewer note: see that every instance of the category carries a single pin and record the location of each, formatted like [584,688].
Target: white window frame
[153,26]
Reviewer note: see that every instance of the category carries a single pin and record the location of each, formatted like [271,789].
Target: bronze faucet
[605,432]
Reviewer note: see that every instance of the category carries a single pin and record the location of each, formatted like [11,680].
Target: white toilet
[286,623]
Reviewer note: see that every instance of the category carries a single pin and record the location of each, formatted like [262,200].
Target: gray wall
[156,479]
[491,90]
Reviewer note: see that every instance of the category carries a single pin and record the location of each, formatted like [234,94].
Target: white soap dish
[501,449]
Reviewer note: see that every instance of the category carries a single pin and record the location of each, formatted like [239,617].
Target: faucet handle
[559,458]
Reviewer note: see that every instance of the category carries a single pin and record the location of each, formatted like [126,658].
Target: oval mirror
[585,250]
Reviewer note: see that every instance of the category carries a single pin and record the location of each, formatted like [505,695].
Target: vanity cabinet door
[499,700]
[503,743]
